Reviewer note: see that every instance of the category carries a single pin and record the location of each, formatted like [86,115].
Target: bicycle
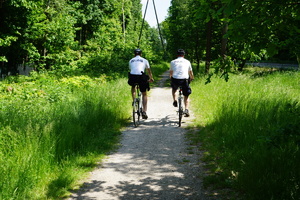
[180,106]
[137,106]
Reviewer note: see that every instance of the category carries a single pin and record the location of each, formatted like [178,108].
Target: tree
[183,29]
[236,31]
[42,31]
[13,20]
[88,36]
[256,28]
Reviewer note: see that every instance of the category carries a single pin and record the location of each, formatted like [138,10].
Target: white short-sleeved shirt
[180,68]
[137,65]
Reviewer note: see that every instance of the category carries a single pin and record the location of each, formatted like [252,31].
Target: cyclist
[181,73]
[137,66]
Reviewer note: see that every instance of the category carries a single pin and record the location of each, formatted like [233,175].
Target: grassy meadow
[249,129]
[54,130]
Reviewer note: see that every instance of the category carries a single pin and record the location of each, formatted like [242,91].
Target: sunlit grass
[159,69]
[250,127]
[54,130]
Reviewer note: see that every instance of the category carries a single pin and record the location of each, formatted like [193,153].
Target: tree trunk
[197,47]
[224,40]
[208,45]
[298,59]
[242,65]
[124,27]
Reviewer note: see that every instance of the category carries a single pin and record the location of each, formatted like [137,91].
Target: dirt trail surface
[152,162]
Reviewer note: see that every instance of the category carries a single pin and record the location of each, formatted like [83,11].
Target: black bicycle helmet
[137,51]
[180,52]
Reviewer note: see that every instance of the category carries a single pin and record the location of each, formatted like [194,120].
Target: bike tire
[139,111]
[135,113]
[180,111]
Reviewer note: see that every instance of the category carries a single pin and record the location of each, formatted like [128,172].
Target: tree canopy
[236,31]
[98,36]
[84,36]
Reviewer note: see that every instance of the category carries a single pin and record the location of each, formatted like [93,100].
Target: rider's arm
[171,69]
[171,73]
[150,74]
[191,75]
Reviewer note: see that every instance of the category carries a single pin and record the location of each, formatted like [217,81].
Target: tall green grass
[52,131]
[251,131]
[159,69]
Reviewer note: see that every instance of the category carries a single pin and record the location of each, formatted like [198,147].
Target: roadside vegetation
[57,123]
[249,131]
[54,130]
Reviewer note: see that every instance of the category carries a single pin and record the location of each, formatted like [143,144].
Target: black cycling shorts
[140,80]
[184,83]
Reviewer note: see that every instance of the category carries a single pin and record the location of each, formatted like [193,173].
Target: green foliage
[222,68]
[183,29]
[159,69]
[251,132]
[54,130]
[73,37]
[242,30]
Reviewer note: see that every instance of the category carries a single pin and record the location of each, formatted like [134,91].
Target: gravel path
[152,162]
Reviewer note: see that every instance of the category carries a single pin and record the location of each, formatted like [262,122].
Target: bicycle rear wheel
[135,113]
[140,105]
[180,111]
[139,111]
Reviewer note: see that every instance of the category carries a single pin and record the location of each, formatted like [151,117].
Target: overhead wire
[161,39]
[159,30]
[143,24]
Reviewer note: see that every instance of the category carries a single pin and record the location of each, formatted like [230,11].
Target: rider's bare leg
[133,91]
[145,99]
[186,102]
[174,94]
